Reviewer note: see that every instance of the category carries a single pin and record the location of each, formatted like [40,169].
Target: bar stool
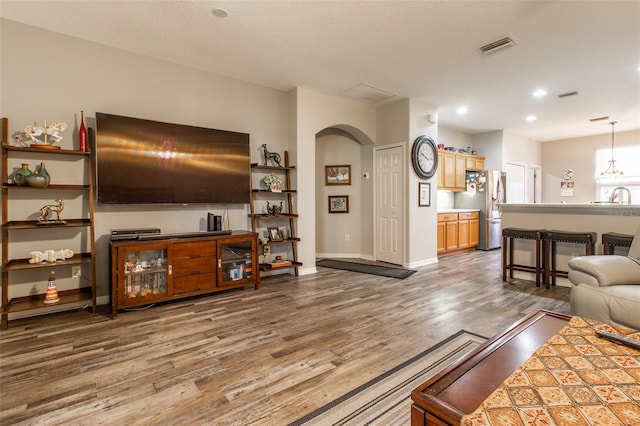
[611,240]
[549,249]
[508,235]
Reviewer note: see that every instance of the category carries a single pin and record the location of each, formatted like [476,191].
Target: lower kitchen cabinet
[457,232]
[147,271]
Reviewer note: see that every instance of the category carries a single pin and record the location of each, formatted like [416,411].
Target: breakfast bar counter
[598,218]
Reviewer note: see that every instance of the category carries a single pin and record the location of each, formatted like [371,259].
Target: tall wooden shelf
[260,221]
[86,289]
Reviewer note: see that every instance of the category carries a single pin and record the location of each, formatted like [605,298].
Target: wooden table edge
[424,395]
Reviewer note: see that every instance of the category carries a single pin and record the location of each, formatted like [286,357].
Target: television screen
[149,162]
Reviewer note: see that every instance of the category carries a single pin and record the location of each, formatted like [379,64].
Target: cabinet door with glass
[144,274]
[237,262]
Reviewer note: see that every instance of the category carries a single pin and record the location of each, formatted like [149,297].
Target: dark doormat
[384,271]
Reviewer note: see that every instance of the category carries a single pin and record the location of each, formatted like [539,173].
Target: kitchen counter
[457,210]
[632,210]
[599,218]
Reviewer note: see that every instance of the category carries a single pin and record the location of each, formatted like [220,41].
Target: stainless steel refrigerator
[485,190]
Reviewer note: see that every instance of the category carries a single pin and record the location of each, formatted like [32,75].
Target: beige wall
[79,75]
[332,229]
[453,137]
[578,154]
[315,112]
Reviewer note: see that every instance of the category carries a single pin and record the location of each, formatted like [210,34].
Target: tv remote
[619,338]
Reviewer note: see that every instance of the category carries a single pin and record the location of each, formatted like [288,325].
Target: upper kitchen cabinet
[452,169]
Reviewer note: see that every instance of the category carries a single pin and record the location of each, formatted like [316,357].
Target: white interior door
[515,183]
[389,204]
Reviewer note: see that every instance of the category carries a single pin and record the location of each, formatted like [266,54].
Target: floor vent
[497,45]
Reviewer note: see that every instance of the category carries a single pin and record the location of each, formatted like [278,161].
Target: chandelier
[612,172]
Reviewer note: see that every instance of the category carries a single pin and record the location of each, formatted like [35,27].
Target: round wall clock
[424,156]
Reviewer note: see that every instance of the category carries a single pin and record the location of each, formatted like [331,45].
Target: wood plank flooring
[250,357]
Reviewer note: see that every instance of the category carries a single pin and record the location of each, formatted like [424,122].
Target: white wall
[73,75]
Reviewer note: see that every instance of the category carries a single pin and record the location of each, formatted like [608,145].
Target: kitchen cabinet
[457,232]
[474,163]
[156,269]
[452,168]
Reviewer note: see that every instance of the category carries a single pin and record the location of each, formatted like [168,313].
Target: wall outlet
[347,237]
[76,271]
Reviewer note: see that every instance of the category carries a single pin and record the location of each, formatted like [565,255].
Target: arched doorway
[344,234]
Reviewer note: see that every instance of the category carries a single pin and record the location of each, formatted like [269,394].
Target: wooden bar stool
[549,250]
[508,235]
[611,240]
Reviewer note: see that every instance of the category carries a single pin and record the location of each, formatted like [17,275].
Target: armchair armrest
[606,270]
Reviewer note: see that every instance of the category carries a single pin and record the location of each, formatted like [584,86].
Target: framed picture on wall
[337,175]
[338,204]
[424,194]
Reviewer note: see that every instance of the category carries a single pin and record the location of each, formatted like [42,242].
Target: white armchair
[606,288]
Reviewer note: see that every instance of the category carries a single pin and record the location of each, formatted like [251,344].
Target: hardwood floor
[244,356]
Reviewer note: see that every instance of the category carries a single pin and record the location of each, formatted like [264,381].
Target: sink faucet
[614,194]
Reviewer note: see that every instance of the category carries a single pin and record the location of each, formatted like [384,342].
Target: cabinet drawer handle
[170,269]
[219,263]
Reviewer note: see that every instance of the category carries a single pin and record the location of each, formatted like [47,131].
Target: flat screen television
[150,162]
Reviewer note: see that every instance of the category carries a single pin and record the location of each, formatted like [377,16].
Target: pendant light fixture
[612,172]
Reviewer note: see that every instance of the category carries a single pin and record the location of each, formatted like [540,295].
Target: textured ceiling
[427,50]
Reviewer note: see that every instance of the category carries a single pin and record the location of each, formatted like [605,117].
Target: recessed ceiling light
[462,110]
[531,118]
[538,93]
[220,13]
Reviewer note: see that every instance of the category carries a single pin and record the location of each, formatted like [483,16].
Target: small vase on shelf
[20,177]
[82,134]
[40,178]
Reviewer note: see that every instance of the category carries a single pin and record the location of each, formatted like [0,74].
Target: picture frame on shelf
[337,174]
[424,194]
[338,204]
[274,233]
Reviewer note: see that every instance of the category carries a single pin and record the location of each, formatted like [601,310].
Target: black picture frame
[424,194]
[338,204]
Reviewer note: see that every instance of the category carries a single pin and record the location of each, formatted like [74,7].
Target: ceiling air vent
[496,45]
[566,95]
[365,93]
[606,117]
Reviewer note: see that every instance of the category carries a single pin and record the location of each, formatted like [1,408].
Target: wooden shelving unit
[260,221]
[86,292]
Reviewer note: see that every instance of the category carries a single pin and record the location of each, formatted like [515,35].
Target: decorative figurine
[50,255]
[274,210]
[274,156]
[46,210]
[51,296]
[51,131]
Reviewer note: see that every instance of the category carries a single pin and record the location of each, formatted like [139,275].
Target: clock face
[424,157]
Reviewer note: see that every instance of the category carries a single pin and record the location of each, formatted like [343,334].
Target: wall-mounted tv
[150,162]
